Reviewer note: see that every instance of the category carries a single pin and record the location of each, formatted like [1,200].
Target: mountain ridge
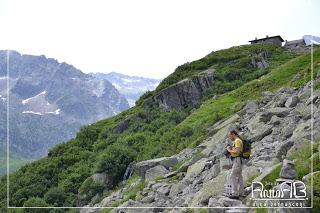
[132,87]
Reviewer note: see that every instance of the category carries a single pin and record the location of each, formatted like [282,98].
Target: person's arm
[233,150]
[236,149]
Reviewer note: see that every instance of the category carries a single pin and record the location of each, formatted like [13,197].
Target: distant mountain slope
[132,87]
[49,101]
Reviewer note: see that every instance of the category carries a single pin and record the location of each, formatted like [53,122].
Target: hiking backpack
[246,149]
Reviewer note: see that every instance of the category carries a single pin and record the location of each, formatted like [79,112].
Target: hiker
[236,178]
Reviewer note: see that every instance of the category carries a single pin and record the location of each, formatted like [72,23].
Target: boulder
[303,111]
[228,202]
[249,108]
[292,101]
[213,172]
[155,172]
[281,101]
[167,162]
[195,169]
[259,133]
[283,148]
[177,188]
[302,131]
[209,189]
[260,117]
[148,199]
[165,190]
[213,204]
[306,178]
[275,120]
[279,111]
[287,130]
[288,171]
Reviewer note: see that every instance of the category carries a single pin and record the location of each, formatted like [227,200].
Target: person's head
[233,135]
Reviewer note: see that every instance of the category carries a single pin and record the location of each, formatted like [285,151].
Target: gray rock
[155,172]
[185,93]
[213,204]
[288,129]
[148,199]
[288,171]
[169,162]
[260,133]
[275,120]
[302,131]
[283,148]
[281,102]
[171,174]
[249,108]
[142,167]
[184,154]
[292,101]
[213,172]
[165,190]
[303,111]
[157,185]
[314,98]
[228,202]
[195,169]
[177,188]
[279,111]
[306,178]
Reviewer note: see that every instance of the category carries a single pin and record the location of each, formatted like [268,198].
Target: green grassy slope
[151,133]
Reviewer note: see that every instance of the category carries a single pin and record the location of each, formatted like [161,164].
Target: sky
[148,38]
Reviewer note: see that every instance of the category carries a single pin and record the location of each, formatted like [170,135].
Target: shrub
[36,202]
[55,196]
[114,161]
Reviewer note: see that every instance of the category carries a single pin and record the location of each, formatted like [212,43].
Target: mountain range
[49,101]
[131,87]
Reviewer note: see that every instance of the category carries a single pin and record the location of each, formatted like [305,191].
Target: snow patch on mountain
[31,112]
[56,112]
[32,98]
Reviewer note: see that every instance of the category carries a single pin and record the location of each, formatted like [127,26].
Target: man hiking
[236,178]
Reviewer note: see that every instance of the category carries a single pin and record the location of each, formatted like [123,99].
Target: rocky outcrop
[260,60]
[197,177]
[185,93]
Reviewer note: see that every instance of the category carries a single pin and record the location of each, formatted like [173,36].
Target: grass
[224,106]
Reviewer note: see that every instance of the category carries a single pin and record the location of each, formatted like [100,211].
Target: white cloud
[143,37]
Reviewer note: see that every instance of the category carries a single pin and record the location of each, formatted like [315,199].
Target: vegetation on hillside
[152,133]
